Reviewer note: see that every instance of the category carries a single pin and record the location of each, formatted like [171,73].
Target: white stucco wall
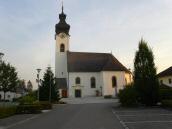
[9,95]
[85,85]
[60,41]
[107,82]
[128,78]
[61,57]
[166,80]
[103,82]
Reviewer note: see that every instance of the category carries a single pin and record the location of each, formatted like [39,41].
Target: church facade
[81,74]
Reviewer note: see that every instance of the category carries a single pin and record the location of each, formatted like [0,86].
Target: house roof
[93,62]
[167,72]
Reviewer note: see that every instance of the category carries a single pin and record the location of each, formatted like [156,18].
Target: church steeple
[62,26]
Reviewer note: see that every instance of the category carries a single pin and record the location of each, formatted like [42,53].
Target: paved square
[144,118]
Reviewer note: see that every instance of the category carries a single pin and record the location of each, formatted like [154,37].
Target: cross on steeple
[62,7]
[62,26]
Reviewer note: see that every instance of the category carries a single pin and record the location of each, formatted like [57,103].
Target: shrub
[128,96]
[165,94]
[107,96]
[28,109]
[7,111]
[166,103]
[26,100]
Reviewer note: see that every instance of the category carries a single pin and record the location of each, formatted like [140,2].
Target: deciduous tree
[8,78]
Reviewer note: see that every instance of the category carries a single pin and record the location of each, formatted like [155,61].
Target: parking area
[144,118]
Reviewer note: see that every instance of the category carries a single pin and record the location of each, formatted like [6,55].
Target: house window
[78,80]
[62,48]
[93,82]
[169,80]
[161,82]
[114,82]
[8,96]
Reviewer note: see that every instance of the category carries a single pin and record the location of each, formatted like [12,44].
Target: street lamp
[38,81]
[50,74]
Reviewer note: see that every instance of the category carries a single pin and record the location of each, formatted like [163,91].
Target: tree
[21,87]
[48,81]
[8,78]
[29,86]
[145,79]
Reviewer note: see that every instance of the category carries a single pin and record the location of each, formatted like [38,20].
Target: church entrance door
[77,93]
[64,93]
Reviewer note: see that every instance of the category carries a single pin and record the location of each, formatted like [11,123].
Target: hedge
[7,111]
[128,97]
[165,94]
[166,103]
[45,105]
[107,96]
[28,109]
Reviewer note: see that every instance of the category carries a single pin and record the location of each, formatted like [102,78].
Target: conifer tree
[48,81]
[145,79]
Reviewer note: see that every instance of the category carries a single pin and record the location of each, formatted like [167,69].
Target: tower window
[114,82]
[62,48]
[93,82]
[78,80]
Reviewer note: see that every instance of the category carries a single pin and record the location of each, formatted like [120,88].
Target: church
[82,74]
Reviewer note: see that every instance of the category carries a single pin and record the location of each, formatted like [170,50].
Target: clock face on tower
[62,35]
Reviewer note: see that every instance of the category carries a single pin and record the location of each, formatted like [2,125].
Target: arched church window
[93,82]
[78,80]
[114,82]
[62,48]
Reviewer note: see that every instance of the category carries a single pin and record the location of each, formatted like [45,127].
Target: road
[75,116]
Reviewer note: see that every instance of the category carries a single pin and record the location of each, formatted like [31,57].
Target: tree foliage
[8,78]
[48,81]
[145,79]
[29,86]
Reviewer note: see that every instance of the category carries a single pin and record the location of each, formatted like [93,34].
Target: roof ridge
[88,52]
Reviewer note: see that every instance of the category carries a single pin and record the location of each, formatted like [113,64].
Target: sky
[27,29]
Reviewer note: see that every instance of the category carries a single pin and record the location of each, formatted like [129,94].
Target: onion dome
[62,26]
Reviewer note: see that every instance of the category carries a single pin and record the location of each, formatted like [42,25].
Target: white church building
[81,74]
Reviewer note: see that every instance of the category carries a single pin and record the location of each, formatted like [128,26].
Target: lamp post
[1,55]
[38,81]
[50,74]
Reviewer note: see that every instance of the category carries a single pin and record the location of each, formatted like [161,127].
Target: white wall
[85,85]
[9,95]
[166,80]
[107,82]
[60,40]
[128,78]
[103,82]
[61,57]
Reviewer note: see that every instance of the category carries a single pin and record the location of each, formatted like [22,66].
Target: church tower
[62,47]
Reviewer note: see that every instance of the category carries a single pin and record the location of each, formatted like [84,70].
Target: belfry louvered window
[62,48]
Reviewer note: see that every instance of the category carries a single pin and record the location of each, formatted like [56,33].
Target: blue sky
[27,30]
